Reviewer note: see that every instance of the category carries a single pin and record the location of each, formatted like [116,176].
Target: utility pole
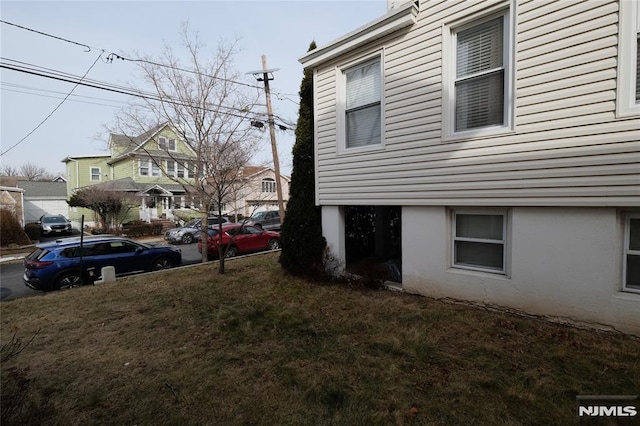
[272,131]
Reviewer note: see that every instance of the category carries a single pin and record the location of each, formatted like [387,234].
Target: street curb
[8,259]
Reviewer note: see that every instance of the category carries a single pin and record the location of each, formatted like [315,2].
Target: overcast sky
[281,30]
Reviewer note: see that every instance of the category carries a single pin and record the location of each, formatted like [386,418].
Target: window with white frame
[171,168]
[143,169]
[96,174]
[479,75]
[631,273]
[479,240]
[268,185]
[628,92]
[180,170]
[166,144]
[148,167]
[362,104]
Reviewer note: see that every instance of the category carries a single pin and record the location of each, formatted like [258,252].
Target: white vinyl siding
[631,273]
[566,149]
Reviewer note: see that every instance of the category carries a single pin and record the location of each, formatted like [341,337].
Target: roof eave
[394,20]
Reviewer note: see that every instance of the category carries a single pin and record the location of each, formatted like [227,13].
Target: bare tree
[110,206]
[206,107]
[7,170]
[33,172]
[28,171]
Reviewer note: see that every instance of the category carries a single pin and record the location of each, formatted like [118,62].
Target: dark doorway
[373,237]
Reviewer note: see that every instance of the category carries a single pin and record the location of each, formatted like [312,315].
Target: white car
[191,230]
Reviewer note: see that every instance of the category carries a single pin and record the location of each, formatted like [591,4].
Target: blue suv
[65,264]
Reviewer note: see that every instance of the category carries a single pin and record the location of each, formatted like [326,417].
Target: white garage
[43,198]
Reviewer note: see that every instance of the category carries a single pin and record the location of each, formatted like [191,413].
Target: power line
[68,100]
[47,35]
[71,78]
[54,110]
[64,77]
[111,56]
[13,87]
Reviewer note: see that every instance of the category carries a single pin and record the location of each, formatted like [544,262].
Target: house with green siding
[148,168]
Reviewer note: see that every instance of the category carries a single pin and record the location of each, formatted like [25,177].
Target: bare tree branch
[208,112]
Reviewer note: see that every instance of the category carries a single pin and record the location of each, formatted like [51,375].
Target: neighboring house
[504,137]
[138,167]
[259,193]
[11,198]
[42,197]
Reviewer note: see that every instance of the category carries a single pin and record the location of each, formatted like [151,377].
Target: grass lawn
[256,346]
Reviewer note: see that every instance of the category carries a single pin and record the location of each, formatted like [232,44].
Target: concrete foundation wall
[562,262]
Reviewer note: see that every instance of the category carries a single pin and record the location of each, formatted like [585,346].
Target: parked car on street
[54,225]
[64,264]
[269,220]
[240,239]
[191,230]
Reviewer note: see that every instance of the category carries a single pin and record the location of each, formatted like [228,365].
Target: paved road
[12,287]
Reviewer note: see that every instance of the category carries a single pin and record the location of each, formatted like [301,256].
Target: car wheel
[231,252]
[273,244]
[67,281]
[187,239]
[162,263]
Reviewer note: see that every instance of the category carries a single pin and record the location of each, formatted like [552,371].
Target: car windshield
[258,215]
[54,219]
[192,223]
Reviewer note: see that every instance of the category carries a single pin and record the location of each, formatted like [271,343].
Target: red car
[240,239]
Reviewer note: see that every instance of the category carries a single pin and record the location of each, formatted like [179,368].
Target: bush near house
[33,231]
[301,235]
[141,228]
[11,231]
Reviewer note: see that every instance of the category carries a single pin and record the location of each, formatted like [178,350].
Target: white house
[505,137]
[259,190]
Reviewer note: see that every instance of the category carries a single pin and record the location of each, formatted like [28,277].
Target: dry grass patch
[255,346]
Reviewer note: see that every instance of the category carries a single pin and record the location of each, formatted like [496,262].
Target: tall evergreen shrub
[301,235]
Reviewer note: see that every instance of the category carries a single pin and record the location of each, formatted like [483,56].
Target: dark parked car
[269,220]
[58,264]
[54,225]
[240,239]
[191,230]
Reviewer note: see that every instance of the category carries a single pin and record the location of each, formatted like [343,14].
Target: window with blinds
[638,69]
[363,114]
[480,75]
